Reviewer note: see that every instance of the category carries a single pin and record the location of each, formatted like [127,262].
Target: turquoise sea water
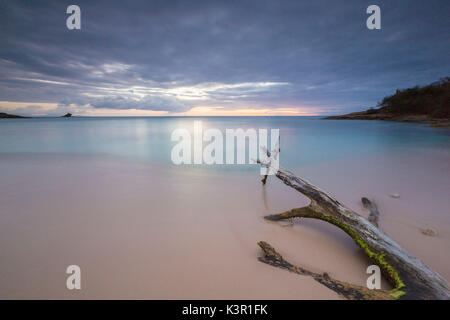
[304,140]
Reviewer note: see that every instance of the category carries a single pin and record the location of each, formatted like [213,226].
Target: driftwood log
[410,278]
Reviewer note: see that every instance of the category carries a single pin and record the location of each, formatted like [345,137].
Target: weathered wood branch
[271,155]
[374,213]
[349,291]
[410,278]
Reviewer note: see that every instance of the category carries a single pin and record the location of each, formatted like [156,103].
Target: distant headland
[10,116]
[430,103]
[4,115]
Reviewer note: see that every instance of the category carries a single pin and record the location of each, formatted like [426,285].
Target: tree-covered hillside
[432,100]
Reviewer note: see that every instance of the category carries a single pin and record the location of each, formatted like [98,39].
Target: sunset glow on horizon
[52,109]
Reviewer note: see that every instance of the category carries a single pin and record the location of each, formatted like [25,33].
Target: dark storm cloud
[138,54]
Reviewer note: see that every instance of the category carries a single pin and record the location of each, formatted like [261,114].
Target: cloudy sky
[216,57]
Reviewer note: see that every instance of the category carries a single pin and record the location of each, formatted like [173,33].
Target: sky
[193,57]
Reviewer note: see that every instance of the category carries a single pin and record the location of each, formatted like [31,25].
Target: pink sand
[145,232]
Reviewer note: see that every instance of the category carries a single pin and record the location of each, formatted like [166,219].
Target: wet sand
[147,232]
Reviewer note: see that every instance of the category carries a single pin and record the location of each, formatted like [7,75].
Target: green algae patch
[397,294]
[378,258]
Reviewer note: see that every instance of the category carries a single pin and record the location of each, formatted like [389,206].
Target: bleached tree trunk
[410,278]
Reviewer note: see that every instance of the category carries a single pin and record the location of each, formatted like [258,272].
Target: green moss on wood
[378,258]
[397,294]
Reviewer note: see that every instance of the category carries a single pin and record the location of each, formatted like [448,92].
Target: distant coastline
[4,115]
[429,104]
[368,115]
[11,116]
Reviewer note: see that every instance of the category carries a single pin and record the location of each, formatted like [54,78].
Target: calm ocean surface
[304,140]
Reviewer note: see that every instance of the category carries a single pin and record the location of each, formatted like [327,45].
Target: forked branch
[410,278]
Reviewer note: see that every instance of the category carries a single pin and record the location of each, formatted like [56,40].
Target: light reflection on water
[304,140]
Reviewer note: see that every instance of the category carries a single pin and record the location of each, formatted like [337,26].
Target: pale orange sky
[41,109]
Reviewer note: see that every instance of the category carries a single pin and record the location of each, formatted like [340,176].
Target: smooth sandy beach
[147,232]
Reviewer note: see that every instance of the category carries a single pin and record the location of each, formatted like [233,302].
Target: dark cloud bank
[173,55]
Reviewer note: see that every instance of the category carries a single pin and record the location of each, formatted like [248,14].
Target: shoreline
[415,118]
